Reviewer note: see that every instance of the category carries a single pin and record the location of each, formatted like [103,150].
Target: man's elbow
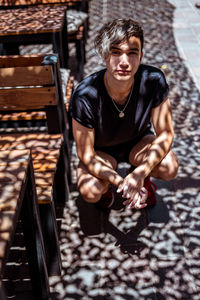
[85,157]
[169,136]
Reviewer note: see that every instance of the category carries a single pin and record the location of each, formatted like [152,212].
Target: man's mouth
[123,72]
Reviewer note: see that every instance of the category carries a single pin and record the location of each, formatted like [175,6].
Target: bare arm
[84,138]
[162,122]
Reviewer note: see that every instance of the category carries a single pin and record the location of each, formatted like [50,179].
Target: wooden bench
[44,99]
[78,4]
[76,31]
[18,200]
[34,25]
[33,84]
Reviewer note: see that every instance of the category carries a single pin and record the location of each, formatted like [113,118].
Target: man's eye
[115,52]
[133,53]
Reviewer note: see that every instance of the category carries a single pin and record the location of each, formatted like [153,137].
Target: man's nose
[124,59]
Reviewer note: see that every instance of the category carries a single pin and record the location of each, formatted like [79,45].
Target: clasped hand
[133,190]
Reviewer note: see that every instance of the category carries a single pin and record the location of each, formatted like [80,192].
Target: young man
[112,111]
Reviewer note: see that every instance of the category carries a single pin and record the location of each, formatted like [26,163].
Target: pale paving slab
[187,35]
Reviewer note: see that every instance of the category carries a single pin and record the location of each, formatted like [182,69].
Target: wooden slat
[45,153]
[44,178]
[69,90]
[10,195]
[13,168]
[26,76]
[44,194]
[16,116]
[44,161]
[12,164]
[33,2]
[45,175]
[30,141]
[27,98]
[9,206]
[15,155]
[10,172]
[43,165]
[7,61]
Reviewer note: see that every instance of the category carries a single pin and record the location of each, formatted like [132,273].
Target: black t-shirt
[92,107]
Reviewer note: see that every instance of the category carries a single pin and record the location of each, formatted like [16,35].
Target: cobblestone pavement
[153,253]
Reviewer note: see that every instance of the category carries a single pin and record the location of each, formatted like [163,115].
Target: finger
[125,188]
[121,187]
[136,197]
[144,195]
[131,195]
[126,193]
[140,206]
[126,202]
[137,205]
[129,198]
[134,201]
[143,191]
[131,205]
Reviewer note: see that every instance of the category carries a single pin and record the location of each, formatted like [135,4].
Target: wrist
[117,180]
[142,170]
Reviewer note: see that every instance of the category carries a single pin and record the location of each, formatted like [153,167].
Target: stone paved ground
[153,253]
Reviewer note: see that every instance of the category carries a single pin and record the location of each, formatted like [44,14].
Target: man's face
[124,59]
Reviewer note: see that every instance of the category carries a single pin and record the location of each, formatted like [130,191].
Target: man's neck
[117,90]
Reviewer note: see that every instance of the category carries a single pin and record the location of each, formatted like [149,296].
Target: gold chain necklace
[121,112]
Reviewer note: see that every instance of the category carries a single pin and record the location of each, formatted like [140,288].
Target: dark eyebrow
[134,49]
[115,47]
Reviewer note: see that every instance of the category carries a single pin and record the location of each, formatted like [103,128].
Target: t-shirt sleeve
[162,90]
[81,111]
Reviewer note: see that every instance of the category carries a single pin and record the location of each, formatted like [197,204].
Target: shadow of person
[94,221]
[91,218]
[129,242]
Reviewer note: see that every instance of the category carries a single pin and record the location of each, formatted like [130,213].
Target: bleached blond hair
[115,33]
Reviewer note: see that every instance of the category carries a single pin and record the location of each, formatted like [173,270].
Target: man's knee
[91,198]
[172,171]
[169,167]
[93,193]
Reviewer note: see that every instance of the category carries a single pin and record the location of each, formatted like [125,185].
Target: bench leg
[34,242]
[80,58]
[52,119]
[84,5]
[65,49]
[51,241]
[61,186]
[60,46]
